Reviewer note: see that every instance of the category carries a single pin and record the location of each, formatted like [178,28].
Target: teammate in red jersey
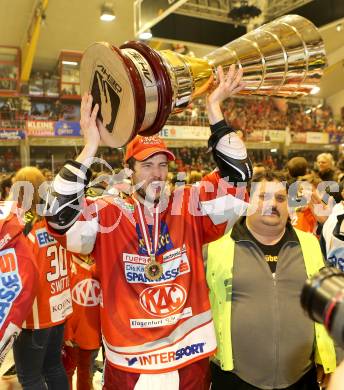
[18,277]
[82,330]
[155,312]
[37,350]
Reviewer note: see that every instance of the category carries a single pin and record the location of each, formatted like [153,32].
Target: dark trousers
[37,356]
[227,380]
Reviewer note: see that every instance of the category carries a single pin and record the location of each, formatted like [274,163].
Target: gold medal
[153,270]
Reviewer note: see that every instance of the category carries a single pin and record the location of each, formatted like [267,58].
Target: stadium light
[315,90]
[144,36]
[107,13]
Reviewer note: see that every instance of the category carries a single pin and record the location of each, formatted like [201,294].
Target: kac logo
[163,300]
[86,293]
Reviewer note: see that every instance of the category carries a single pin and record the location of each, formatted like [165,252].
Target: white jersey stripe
[198,344]
[66,187]
[35,314]
[183,329]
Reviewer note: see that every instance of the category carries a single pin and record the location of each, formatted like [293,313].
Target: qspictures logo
[106,91]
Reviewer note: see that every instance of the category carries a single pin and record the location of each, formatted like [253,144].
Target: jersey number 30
[58,262]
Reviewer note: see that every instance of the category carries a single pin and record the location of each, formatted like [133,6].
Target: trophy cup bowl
[137,88]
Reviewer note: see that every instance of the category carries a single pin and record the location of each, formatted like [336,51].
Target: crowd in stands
[10,160]
[187,159]
[15,111]
[249,114]
[194,163]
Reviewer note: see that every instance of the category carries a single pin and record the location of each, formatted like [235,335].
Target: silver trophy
[137,87]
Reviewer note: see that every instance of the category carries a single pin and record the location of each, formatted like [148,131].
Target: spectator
[258,168]
[5,187]
[326,167]
[297,166]
[255,274]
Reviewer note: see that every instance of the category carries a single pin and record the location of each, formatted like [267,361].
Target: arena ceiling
[201,24]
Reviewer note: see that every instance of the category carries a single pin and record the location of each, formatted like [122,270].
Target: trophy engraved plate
[137,87]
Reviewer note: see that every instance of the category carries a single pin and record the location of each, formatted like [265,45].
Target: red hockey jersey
[83,327]
[18,277]
[53,303]
[161,325]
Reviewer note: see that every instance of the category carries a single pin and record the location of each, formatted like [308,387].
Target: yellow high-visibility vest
[220,277]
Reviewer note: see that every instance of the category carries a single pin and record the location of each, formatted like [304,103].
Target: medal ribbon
[151,251]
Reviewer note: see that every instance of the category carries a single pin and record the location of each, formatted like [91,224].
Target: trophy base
[116,86]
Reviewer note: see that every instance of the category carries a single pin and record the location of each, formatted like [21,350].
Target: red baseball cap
[142,148]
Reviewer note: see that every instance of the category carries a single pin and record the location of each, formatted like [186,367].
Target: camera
[322,298]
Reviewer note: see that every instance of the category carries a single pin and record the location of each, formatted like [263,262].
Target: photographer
[332,234]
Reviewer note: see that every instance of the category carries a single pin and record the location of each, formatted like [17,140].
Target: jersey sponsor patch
[10,282]
[163,300]
[335,258]
[6,208]
[175,263]
[5,239]
[60,306]
[190,340]
[43,238]
[167,357]
[135,259]
[173,254]
[136,323]
[164,241]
